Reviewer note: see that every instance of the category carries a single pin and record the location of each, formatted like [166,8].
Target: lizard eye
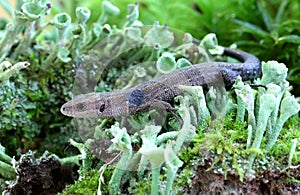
[102,107]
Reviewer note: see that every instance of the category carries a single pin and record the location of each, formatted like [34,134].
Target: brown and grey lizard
[157,92]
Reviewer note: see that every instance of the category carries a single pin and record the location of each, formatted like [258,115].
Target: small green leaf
[251,28]
[289,39]
[265,14]
[280,11]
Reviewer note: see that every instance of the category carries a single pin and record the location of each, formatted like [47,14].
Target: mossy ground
[216,162]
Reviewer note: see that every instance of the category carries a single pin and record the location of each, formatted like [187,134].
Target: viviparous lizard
[156,93]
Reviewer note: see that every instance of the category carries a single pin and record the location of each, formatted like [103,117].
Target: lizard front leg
[138,103]
[162,106]
[156,104]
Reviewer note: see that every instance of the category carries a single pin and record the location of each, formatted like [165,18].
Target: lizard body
[157,92]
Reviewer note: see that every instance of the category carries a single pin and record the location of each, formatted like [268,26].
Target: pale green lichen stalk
[108,9]
[274,106]
[156,152]
[121,142]
[61,21]
[285,104]
[132,16]
[197,99]
[187,131]
[292,151]
[155,149]
[289,107]
[153,153]
[28,15]
[218,102]
[173,163]
[267,104]
[7,69]
[245,101]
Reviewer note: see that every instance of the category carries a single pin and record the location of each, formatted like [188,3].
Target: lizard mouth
[64,110]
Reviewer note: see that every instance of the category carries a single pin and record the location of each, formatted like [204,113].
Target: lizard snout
[64,110]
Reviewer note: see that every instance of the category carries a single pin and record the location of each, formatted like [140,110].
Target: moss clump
[88,185]
[221,150]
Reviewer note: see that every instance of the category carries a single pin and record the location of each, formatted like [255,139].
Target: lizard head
[96,105]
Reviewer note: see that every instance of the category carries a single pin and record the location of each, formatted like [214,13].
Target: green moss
[281,149]
[183,179]
[224,145]
[88,184]
[140,186]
